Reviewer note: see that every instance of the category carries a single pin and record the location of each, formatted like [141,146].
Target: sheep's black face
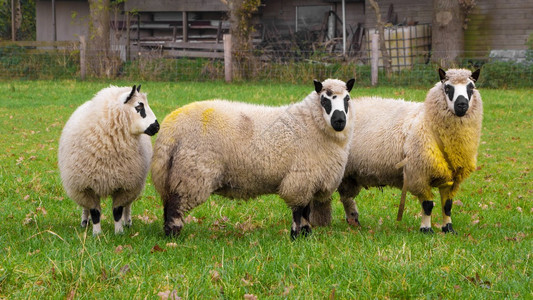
[335,105]
[458,95]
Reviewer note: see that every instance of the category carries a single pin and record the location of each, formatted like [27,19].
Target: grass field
[240,249]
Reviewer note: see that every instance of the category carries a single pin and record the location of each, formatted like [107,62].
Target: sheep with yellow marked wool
[241,150]
[105,150]
[416,146]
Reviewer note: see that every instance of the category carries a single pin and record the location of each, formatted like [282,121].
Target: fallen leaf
[250,297]
[172,245]
[42,210]
[519,209]
[478,281]
[287,290]
[156,248]
[215,276]
[168,295]
[135,234]
[458,203]
[124,269]
[119,249]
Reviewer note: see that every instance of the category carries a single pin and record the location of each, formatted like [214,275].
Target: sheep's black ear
[442,75]
[475,75]
[349,84]
[318,86]
[131,95]
[139,89]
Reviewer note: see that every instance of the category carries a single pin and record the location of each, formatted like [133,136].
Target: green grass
[231,248]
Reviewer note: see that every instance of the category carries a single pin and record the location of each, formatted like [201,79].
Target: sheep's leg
[299,223]
[127,215]
[122,200]
[84,217]
[427,207]
[446,203]
[348,190]
[118,213]
[173,215]
[95,217]
[306,228]
[320,213]
[91,206]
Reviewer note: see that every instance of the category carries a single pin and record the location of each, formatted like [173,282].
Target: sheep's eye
[140,109]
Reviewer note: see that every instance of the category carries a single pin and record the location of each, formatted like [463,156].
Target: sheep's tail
[162,166]
[401,207]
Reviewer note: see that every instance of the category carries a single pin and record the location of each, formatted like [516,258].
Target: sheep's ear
[130,95]
[442,75]
[318,86]
[139,89]
[475,75]
[349,84]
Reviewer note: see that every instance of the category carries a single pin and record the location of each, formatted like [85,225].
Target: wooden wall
[497,24]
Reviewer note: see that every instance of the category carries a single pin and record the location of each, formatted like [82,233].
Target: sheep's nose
[461,106]
[152,129]
[338,120]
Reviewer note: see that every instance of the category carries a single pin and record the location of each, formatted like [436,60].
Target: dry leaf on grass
[168,295]
[156,248]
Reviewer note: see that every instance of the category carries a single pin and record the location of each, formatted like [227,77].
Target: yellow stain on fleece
[173,116]
[207,116]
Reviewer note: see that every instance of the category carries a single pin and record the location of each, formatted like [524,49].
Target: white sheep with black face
[105,150]
[415,146]
[242,151]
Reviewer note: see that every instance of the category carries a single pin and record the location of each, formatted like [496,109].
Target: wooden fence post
[228,72]
[374,58]
[83,62]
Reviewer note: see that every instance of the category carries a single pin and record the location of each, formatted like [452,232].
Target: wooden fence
[169,49]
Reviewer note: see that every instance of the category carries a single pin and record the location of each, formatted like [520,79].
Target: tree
[387,64]
[101,60]
[24,20]
[241,29]
[450,18]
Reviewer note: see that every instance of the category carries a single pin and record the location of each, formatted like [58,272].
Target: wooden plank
[186,45]
[200,54]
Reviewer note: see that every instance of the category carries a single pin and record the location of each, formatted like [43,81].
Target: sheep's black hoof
[172,230]
[303,231]
[427,230]
[306,230]
[448,229]
[128,223]
[84,223]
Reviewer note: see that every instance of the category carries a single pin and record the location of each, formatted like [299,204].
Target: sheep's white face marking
[335,105]
[458,96]
[143,118]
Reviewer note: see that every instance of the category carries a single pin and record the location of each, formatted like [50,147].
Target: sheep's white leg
[95,217]
[427,207]
[446,203]
[84,217]
[118,216]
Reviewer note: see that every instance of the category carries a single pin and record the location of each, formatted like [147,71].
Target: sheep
[416,146]
[105,150]
[241,150]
